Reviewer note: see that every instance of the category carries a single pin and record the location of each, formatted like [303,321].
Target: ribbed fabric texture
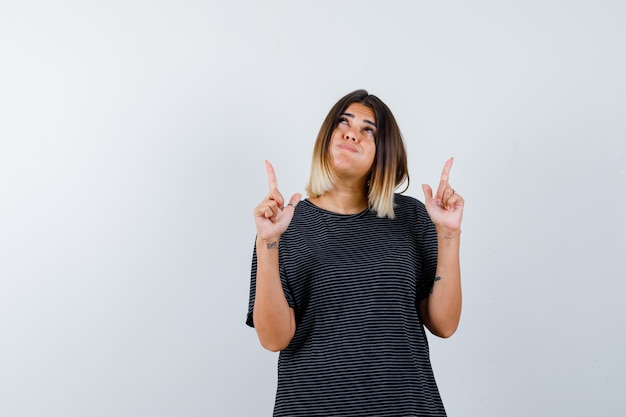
[354,282]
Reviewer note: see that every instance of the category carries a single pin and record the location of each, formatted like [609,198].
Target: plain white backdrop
[132,140]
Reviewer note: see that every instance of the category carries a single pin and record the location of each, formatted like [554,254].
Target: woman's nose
[350,135]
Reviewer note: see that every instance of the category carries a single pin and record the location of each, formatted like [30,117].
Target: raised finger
[271,176]
[445,176]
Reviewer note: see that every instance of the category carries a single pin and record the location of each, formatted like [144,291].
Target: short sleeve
[283,279]
[428,249]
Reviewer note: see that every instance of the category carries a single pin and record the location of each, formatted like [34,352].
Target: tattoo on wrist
[433,287]
[273,245]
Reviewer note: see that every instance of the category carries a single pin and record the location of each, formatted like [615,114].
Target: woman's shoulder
[305,214]
[405,205]
[402,200]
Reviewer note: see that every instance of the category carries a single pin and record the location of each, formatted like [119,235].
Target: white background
[132,140]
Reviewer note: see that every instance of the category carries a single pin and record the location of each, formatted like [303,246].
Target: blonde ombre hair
[390,168]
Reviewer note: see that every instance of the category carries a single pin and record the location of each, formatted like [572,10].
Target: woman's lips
[347,147]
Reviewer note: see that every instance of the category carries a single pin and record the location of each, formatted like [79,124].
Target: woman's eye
[343,120]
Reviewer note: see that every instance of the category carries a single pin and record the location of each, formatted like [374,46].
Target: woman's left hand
[446,207]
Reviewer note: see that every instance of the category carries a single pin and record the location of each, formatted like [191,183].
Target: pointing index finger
[445,174]
[271,176]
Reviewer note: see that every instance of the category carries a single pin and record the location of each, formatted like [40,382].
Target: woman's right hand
[271,216]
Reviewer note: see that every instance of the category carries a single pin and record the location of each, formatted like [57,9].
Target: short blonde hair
[390,168]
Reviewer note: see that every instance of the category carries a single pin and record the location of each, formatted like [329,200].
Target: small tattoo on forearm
[273,245]
[433,287]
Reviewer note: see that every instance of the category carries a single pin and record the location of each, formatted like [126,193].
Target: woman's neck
[342,200]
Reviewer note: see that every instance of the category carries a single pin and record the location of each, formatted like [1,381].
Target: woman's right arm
[274,319]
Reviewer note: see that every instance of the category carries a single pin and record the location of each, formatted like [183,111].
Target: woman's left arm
[440,312]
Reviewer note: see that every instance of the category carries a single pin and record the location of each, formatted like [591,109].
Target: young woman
[344,282]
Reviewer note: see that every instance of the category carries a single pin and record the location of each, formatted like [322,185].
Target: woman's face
[352,144]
